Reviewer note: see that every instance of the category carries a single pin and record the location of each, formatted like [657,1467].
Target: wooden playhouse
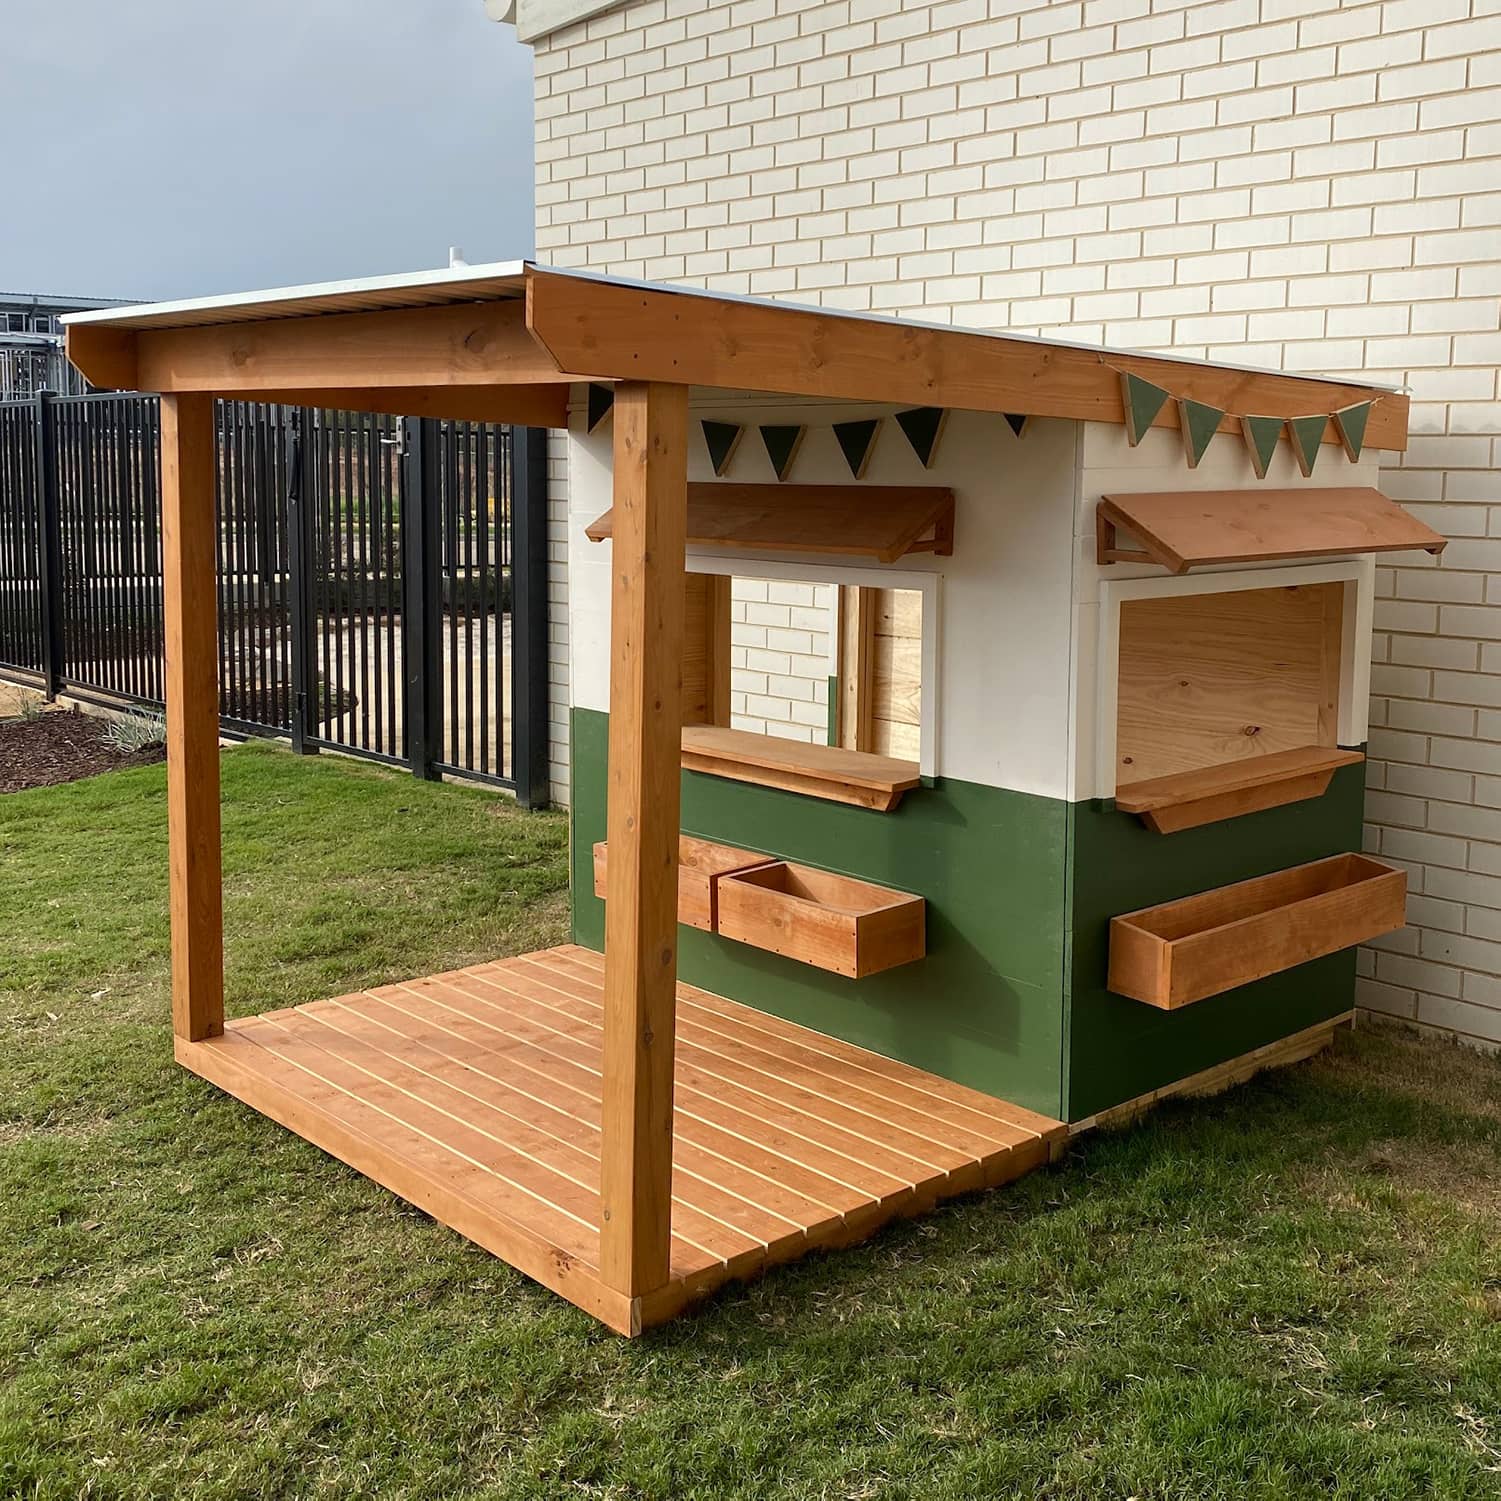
[1074,819]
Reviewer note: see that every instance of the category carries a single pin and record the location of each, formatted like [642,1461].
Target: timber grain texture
[1192,798]
[476,1095]
[1192,528]
[1206,680]
[823,771]
[701,864]
[835,922]
[881,522]
[1184,951]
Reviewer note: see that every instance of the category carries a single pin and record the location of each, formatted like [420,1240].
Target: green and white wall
[1021,859]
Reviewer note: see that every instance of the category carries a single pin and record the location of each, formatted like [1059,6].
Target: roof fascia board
[534,19]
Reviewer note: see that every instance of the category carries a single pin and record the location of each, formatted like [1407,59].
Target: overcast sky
[170,148]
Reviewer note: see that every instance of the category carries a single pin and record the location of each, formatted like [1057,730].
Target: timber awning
[883,522]
[1187,529]
[506,342]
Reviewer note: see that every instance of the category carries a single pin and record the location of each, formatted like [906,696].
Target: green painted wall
[1020,893]
[985,1007]
[1119,1048]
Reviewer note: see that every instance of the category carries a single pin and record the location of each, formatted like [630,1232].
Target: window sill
[821,771]
[1191,798]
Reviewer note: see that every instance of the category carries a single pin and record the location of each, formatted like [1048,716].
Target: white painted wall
[997,702]
[1301,183]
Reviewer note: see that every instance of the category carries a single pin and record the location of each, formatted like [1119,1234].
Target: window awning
[884,522]
[1187,529]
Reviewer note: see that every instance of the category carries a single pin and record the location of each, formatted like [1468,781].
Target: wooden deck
[476,1096]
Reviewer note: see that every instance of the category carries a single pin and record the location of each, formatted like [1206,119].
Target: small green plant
[137,730]
[31,710]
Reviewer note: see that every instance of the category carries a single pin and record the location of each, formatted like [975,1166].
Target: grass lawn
[1292,1290]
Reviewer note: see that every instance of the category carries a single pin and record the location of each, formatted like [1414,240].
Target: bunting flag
[857,441]
[601,400]
[782,444]
[1017,422]
[924,428]
[1350,423]
[723,438]
[1306,434]
[1141,401]
[1261,434]
[1199,424]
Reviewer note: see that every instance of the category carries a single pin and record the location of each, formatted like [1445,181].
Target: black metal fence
[381,580]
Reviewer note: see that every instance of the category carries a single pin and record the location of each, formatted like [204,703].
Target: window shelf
[1190,798]
[823,771]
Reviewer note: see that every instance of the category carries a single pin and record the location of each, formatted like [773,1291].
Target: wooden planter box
[700,867]
[1183,951]
[834,922]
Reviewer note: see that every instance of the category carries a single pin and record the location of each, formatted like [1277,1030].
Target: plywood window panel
[1207,680]
[880,671]
[706,649]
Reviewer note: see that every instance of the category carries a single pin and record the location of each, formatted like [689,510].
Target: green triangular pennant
[722,438]
[1017,422]
[857,441]
[1350,423]
[923,427]
[1199,424]
[1261,434]
[782,444]
[1140,401]
[601,399]
[1306,434]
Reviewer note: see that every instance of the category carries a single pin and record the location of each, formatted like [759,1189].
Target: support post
[422,586]
[301,553]
[529,730]
[49,545]
[640,988]
[190,609]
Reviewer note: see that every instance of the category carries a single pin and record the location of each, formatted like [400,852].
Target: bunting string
[1142,403]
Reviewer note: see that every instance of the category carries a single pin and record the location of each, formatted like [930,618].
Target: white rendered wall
[1000,640]
[1290,182]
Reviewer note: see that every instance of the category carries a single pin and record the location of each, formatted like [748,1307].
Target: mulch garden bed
[61,747]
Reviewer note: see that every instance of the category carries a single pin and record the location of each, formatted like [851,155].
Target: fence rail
[381,582]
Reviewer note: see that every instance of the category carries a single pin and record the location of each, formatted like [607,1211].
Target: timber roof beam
[518,326]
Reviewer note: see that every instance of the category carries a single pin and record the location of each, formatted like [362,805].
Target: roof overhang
[505,342]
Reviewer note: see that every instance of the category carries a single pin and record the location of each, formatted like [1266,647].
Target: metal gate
[381,581]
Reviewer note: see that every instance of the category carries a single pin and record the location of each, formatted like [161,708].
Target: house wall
[1291,182]
[984,841]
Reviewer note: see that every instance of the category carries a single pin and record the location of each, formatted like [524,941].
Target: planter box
[1183,951]
[833,922]
[700,867]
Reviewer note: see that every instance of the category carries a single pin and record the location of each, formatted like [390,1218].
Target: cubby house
[1062,815]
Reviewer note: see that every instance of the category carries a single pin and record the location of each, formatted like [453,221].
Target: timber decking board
[476,1096]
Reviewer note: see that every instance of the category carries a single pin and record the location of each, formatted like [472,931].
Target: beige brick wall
[1290,182]
[781,639]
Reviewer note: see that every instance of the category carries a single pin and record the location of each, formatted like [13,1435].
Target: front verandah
[477,1096]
